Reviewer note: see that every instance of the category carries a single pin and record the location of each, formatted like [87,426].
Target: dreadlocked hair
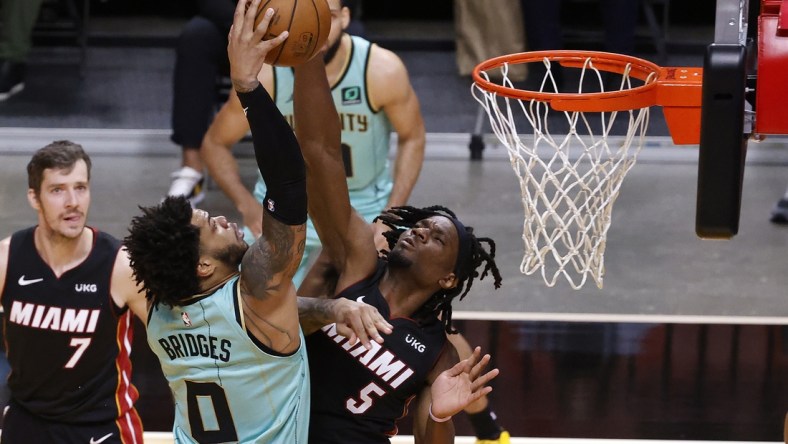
[399,219]
[164,249]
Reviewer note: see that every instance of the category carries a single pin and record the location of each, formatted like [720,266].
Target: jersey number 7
[81,345]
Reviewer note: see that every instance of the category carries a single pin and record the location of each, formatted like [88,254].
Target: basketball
[308,21]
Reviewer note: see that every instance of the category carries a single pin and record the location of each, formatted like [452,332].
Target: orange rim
[638,97]
[676,89]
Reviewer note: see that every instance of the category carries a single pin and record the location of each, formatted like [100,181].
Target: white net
[568,181]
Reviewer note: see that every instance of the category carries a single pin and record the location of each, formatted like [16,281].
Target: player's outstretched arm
[268,266]
[346,237]
[354,320]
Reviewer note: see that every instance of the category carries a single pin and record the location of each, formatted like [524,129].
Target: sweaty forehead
[443,224]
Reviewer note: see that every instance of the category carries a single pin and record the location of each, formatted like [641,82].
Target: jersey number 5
[359,407]
[209,413]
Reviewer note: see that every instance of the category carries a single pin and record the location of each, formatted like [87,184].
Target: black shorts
[20,426]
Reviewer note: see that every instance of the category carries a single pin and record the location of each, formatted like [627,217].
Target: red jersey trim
[125,393]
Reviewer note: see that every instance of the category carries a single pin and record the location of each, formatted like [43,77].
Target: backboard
[723,133]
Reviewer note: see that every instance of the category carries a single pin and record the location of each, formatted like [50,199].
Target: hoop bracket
[679,92]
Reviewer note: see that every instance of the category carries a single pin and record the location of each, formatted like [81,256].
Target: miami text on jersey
[378,360]
[54,318]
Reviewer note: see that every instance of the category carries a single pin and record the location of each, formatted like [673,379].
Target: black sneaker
[12,78]
[780,212]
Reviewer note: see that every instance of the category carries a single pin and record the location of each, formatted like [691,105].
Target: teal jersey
[366,138]
[366,132]
[227,387]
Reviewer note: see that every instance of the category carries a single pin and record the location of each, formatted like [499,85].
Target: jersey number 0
[209,413]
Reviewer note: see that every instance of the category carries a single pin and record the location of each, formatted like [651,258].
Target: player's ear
[448,282]
[32,198]
[205,267]
[345,17]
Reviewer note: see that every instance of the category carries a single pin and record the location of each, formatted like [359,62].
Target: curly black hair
[398,219]
[164,250]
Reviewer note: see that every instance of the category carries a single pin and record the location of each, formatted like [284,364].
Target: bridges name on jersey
[186,344]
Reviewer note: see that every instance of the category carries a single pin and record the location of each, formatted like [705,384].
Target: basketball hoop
[570,180]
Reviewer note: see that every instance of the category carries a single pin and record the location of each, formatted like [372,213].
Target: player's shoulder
[106,240]
[122,273]
[105,245]
[5,246]
[387,78]
[384,62]
[126,291]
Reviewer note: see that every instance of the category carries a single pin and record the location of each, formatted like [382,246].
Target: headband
[463,246]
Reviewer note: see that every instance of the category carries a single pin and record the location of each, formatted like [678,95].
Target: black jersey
[67,342]
[358,395]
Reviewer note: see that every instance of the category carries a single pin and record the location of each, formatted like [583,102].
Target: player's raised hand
[358,321]
[461,385]
[246,49]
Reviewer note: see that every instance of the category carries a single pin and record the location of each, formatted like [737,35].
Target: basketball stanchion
[560,145]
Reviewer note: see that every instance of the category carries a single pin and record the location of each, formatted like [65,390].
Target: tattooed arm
[268,295]
[354,320]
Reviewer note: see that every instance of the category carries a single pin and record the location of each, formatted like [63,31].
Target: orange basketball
[308,21]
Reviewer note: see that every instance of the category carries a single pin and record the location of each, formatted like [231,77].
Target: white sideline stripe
[614,318]
[618,318]
[166,438]
[472,440]
[156,142]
